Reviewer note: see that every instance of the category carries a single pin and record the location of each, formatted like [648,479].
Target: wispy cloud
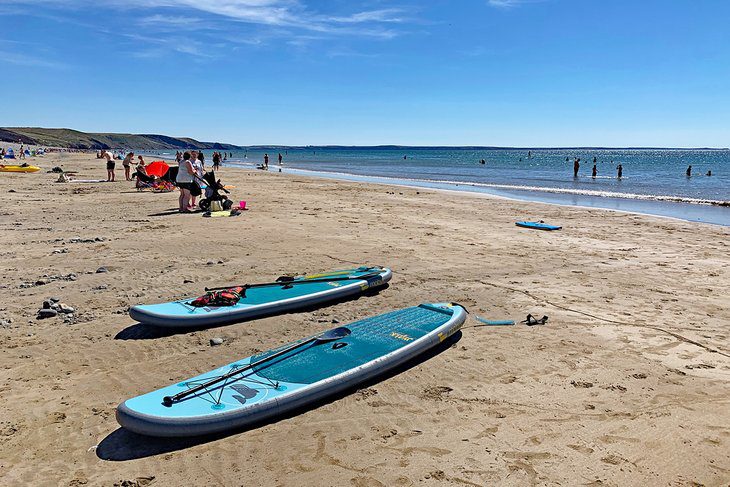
[28,61]
[295,22]
[506,3]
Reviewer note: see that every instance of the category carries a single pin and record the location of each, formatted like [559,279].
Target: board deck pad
[299,377]
[264,300]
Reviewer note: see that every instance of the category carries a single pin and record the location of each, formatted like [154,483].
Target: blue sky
[432,72]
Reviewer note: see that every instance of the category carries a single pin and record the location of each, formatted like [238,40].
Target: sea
[654,181]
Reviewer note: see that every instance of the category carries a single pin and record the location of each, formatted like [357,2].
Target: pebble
[220,261]
[102,270]
[42,282]
[66,309]
[54,299]
[47,304]
[335,320]
[210,262]
[187,281]
[60,251]
[101,287]
[216,341]
[46,313]
[5,323]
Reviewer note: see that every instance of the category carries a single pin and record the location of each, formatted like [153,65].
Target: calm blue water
[651,178]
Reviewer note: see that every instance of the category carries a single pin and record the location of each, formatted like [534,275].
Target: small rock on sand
[102,270]
[216,341]
[46,313]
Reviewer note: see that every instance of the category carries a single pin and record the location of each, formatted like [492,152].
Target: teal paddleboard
[275,382]
[537,225]
[302,292]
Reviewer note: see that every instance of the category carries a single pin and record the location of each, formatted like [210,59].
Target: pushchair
[212,193]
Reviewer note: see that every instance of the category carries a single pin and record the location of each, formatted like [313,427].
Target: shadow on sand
[141,331]
[122,445]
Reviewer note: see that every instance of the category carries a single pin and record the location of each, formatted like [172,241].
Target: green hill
[73,139]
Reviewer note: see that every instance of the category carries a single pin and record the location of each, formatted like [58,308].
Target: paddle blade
[334,334]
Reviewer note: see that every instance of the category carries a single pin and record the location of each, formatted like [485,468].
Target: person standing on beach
[689,171]
[620,171]
[109,166]
[576,167]
[595,171]
[266,162]
[127,163]
[216,161]
[184,181]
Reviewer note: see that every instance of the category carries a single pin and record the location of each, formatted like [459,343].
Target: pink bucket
[242,205]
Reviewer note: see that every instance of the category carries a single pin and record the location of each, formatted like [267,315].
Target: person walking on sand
[620,171]
[576,167]
[689,171]
[184,181]
[109,166]
[594,173]
[266,162]
[127,163]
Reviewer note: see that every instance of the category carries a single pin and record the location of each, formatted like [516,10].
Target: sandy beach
[627,384]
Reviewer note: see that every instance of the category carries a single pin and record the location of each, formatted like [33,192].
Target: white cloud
[505,3]
[28,61]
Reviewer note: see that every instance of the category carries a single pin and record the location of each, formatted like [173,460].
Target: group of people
[594,171]
[265,165]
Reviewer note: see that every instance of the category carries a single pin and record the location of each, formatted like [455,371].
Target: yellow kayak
[17,168]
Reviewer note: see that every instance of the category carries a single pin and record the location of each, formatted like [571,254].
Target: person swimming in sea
[709,173]
[620,171]
[689,171]
[595,172]
[576,167]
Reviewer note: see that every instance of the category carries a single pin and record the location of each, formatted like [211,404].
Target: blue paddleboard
[537,225]
[294,376]
[302,292]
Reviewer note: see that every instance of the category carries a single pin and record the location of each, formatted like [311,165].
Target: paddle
[327,336]
[288,282]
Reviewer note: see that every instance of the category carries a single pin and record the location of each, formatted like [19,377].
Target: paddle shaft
[169,400]
[303,281]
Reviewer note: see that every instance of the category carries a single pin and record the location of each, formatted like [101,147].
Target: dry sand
[626,385]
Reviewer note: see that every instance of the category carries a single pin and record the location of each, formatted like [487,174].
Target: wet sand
[627,384]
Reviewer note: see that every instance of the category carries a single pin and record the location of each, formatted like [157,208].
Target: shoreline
[715,213]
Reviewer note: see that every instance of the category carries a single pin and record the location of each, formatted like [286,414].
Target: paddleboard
[296,375]
[303,292]
[18,168]
[537,225]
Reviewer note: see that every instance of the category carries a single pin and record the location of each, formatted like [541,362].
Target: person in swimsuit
[620,171]
[594,173]
[127,163]
[184,181]
[109,166]
[576,167]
